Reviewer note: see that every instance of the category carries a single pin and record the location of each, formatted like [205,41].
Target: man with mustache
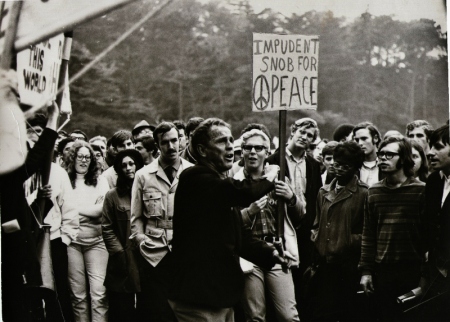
[152,204]
[394,238]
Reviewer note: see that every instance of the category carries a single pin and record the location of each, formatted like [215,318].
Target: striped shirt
[393,225]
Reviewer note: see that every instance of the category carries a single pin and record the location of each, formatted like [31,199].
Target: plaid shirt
[263,222]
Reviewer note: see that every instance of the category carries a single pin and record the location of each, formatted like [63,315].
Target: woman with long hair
[122,276]
[420,161]
[87,253]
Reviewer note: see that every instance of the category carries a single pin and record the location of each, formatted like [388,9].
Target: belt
[269,239]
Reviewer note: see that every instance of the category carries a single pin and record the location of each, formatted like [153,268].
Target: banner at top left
[40,20]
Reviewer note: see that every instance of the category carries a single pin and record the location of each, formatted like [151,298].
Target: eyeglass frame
[245,147]
[81,157]
[381,154]
[344,167]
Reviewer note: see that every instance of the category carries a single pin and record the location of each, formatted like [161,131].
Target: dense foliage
[195,59]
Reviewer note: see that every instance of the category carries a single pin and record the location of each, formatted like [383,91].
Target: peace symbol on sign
[261,98]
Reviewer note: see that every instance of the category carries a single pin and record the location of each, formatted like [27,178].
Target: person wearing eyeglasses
[337,237]
[394,234]
[303,172]
[87,254]
[262,217]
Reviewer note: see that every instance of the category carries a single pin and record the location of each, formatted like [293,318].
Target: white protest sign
[38,70]
[40,20]
[285,72]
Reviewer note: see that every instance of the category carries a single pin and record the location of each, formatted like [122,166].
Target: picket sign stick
[282,148]
[10,36]
[99,57]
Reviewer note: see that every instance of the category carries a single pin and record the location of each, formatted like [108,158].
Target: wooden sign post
[285,78]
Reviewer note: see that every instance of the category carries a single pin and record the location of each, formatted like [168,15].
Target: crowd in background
[167,221]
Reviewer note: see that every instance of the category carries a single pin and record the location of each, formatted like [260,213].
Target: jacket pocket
[153,203]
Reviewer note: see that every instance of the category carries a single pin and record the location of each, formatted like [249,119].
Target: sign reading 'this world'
[38,70]
[285,72]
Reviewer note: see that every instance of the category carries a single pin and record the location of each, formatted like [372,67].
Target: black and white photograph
[224,161]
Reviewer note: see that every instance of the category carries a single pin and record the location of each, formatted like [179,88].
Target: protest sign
[285,72]
[38,70]
[40,20]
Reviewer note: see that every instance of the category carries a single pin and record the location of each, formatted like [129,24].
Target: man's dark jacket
[439,219]
[208,238]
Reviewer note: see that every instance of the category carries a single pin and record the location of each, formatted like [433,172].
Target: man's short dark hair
[62,144]
[162,128]
[202,134]
[351,152]
[80,132]
[257,126]
[97,148]
[38,119]
[180,125]
[405,154]
[192,125]
[148,142]
[328,149]
[440,134]
[427,128]
[373,130]
[119,137]
[342,131]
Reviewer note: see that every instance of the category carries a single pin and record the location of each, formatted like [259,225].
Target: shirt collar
[291,157]
[176,165]
[443,176]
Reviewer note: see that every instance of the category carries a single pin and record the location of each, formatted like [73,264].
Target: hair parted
[373,130]
[90,177]
[119,137]
[162,128]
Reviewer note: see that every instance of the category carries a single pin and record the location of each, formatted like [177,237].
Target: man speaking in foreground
[208,237]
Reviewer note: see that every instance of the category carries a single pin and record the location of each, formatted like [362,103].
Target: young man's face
[254,160]
[169,144]
[34,133]
[388,158]
[439,157]
[142,150]
[303,137]
[328,162]
[183,139]
[418,134]
[364,139]
[125,145]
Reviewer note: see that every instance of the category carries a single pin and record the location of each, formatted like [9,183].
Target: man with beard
[152,204]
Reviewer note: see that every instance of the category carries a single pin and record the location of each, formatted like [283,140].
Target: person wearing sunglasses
[337,237]
[87,254]
[261,218]
[393,240]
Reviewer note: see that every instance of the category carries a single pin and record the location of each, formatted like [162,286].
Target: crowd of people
[181,222]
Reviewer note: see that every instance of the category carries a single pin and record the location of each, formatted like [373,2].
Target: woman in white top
[87,253]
